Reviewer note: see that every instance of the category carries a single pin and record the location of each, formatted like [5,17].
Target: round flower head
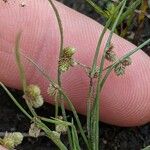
[111,56]
[32,91]
[61,128]
[34,131]
[11,140]
[18,138]
[38,102]
[64,64]
[119,69]
[8,143]
[33,95]
[127,61]
[52,90]
[68,52]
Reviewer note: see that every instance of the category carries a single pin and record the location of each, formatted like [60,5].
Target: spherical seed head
[33,91]
[127,61]
[64,64]
[18,138]
[8,143]
[111,56]
[34,131]
[68,52]
[61,128]
[33,94]
[38,102]
[52,90]
[73,63]
[64,67]
[12,139]
[119,69]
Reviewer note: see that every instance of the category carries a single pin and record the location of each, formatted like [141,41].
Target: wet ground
[111,137]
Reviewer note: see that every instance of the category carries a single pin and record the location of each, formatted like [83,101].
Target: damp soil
[111,137]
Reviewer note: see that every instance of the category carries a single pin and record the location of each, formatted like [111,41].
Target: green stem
[75,139]
[50,135]
[95,110]
[77,119]
[88,111]
[21,71]
[94,64]
[15,101]
[55,121]
[99,45]
[56,104]
[23,79]
[90,92]
[18,60]
[97,8]
[58,70]
[60,54]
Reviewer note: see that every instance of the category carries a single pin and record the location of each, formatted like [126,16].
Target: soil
[111,137]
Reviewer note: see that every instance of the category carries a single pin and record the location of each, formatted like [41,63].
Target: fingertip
[2,148]
[124,101]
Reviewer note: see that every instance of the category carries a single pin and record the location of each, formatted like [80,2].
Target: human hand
[125,101]
[2,148]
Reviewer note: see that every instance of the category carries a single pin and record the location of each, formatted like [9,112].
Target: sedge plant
[33,97]
[126,18]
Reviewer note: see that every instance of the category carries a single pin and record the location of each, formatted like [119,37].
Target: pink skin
[2,148]
[125,101]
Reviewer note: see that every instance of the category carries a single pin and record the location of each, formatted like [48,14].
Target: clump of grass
[126,18]
[34,98]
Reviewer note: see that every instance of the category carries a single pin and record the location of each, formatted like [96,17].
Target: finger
[2,148]
[124,100]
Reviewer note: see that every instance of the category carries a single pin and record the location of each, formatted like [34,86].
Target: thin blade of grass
[55,121]
[15,101]
[90,92]
[21,71]
[18,60]
[130,10]
[97,8]
[95,109]
[60,54]
[58,70]
[75,139]
[108,43]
